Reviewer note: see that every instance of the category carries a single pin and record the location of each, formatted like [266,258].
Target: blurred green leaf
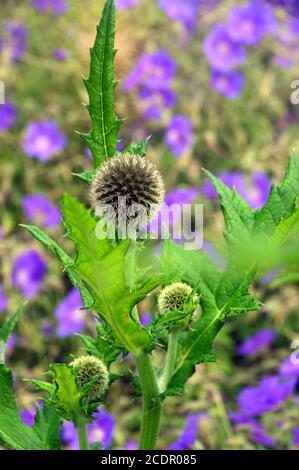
[10,324]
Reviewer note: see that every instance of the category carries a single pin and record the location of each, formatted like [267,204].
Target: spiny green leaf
[138,148]
[100,87]
[101,266]
[65,260]
[43,386]
[67,395]
[286,229]
[281,203]
[43,435]
[9,325]
[103,346]
[86,176]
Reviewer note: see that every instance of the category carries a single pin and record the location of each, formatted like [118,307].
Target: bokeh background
[210,82]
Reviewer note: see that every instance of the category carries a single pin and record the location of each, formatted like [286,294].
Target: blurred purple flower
[3,299]
[100,430]
[55,7]
[154,101]
[248,23]
[296,436]
[184,11]
[146,319]
[13,41]
[255,194]
[43,140]
[188,437]
[69,315]
[126,4]
[257,431]
[28,416]
[260,340]
[8,116]
[228,84]
[267,395]
[131,445]
[178,135]
[221,50]
[291,6]
[40,210]
[60,54]
[28,273]
[290,367]
[153,70]
[11,343]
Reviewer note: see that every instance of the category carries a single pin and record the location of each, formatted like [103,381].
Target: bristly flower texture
[131,177]
[54,7]
[39,210]
[70,317]
[88,368]
[8,116]
[174,296]
[29,270]
[43,140]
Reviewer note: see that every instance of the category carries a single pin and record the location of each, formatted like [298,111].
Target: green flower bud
[87,368]
[174,297]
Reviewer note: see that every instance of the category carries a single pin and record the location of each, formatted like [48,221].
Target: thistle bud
[131,177]
[87,368]
[174,297]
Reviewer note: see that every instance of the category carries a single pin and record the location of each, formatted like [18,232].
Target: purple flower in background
[126,4]
[296,436]
[69,315]
[184,11]
[257,431]
[100,430]
[248,23]
[8,116]
[3,299]
[255,194]
[14,41]
[55,7]
[40,210]
[228,84]
[291,6]
[222,51]
[43,140]
[146,319]
[155,100]
[60,54]
[154,70]
[178,136]
[28,273]
[290,367]
[271,392]
[131,445]
[28,416]
[260,340]
[11,344]
[188,437]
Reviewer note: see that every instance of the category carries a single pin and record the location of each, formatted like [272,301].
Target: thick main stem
[152,406]
[82,433]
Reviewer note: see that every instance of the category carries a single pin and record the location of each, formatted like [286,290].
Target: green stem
[2,352]
[152,406]
[82,433]
[170,359]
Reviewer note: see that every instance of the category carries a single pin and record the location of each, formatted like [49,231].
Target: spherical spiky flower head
[174,296]
[131,177]
[87,368]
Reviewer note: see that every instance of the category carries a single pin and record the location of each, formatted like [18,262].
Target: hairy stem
[152,406]
[82,433]
[170,359]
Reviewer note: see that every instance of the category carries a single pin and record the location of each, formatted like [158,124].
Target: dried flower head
[173,297]
[86,369]
[131,177]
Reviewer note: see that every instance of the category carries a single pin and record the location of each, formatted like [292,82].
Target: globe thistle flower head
[175,296]
[88,368]
[131,186]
